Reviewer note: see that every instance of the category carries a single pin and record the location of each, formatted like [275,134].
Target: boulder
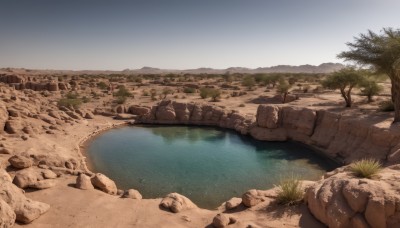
[20,162]
[138,110]
[221,220]
[104,183]
[176,203]
[233,203]
[83,182]
[13,126]
[132,194]
[253,197]
[7,215]
[48,174]
[26,210]
[27,177]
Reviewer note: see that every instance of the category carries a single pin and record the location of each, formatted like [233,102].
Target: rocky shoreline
[338,137]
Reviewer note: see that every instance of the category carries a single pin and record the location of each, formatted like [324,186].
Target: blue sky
[182,34]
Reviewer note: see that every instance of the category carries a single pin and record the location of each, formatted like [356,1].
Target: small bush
[66,102]
[290,191]
[102,85]
[386,106]
[189,90]
[365,168]
[121,100]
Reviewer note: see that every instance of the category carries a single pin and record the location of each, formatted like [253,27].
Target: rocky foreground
[44,181]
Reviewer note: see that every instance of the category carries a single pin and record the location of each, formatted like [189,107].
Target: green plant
[249,82]
[102,85]
[382,51]
[365,168]
[370,88]
[345,80]
[386,106]
[290,191]
[66,102]
[189,90]
[121,100]
[204,93]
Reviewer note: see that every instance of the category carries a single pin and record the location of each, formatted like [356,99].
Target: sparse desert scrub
[365,168]
[386,106]
[290,191]
[70,100]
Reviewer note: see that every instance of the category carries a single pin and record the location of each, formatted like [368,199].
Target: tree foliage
[284,88]
[344,80]
[382,51]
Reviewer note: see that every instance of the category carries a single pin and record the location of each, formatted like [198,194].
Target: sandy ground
[72,207]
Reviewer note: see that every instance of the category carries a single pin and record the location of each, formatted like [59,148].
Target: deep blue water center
[207,165]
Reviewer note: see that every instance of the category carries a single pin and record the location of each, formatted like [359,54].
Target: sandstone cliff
[344,139]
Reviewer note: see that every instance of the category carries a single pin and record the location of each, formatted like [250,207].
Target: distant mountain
[322,68]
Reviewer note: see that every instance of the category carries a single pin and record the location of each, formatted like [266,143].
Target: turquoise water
[207,165]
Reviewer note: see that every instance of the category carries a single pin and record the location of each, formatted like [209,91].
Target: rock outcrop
[344,139]
[341,200]
[172,112]
[26,210]
[7,215]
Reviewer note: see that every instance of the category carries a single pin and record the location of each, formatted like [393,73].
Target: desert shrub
[290,191]
[121,100]
[242,105]
[365,168]
[85,99]
[122,92]
[386,106]
[72,95]
[189,90]
[167,91]
[204,93]
[66,102]
[215,94]
[249,82]
[102,85]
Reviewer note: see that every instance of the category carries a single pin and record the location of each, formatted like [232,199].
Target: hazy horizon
[178,34]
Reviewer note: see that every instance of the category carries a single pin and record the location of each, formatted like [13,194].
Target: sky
[183,34]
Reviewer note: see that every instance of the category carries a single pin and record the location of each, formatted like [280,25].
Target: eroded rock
[176,203]
[104,183]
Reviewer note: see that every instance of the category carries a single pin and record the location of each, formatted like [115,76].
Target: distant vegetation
[70,100]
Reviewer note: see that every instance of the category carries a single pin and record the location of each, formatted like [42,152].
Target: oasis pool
[207,165]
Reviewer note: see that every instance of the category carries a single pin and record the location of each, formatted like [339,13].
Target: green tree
[249,82]
[273,79]
[344,80]
[284,88]
[382,51]
[215,94]
[370,88]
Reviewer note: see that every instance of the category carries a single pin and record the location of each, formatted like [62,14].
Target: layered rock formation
[344,139]
[341,200]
